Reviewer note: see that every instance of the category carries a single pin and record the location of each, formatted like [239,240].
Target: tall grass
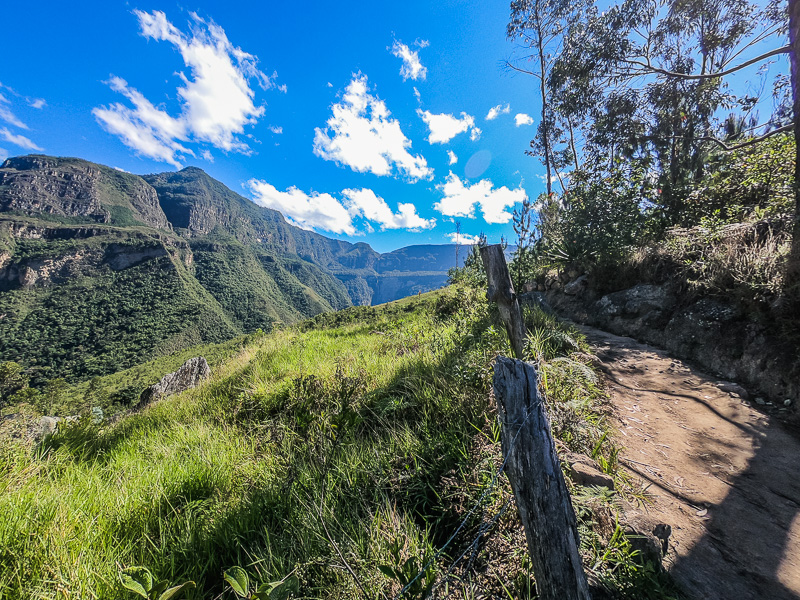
[325,451]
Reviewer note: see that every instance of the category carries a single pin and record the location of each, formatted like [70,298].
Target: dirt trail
[723,475]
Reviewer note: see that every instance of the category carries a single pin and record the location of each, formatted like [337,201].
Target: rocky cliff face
[77,189]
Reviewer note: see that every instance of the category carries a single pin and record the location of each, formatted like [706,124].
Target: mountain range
[102,269]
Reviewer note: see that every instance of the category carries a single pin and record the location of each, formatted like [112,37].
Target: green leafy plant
[239,580]
[416,575]
[140,581]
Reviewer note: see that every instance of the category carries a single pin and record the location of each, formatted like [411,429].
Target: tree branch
[648,66]
[511,66]
[750,142]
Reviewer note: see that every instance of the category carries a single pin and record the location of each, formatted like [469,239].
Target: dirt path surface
[723,475]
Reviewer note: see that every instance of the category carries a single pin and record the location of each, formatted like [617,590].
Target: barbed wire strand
[472,546]
[477,504]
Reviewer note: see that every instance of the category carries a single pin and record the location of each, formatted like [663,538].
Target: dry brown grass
[746,260]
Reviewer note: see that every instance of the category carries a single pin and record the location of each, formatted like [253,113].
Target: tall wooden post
[533,468]
[501,291]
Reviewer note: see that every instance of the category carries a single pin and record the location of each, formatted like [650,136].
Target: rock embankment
[711,332]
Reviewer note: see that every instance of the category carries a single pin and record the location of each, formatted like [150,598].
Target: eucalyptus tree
[648,80]
[539,26]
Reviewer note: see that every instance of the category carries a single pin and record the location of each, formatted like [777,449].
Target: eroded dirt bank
[724,476]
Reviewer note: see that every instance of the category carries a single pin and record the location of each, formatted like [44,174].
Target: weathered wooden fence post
[531,461]
[501,290]
[533,468]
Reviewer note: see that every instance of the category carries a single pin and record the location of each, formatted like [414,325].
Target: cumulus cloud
[452,156]
[464,239]
[475,134]
[522,119]
[37,103]
[444,127]
[329,213]
[361,135]
[276,130]
[460,199]
[412,67]
[366,203]
[498,110]
[18,140]
[217,100]
[309,211]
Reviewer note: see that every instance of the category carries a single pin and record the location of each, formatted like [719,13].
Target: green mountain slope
[101,270]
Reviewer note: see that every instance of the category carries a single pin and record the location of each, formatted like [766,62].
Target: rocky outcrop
[189,375]
[78,189]
[121,256]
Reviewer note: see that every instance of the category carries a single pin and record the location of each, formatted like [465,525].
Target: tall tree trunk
[793,272]
[543,89]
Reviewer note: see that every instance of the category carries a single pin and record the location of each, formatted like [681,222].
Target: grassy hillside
[358,444]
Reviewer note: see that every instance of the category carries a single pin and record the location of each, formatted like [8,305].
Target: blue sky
[364,121]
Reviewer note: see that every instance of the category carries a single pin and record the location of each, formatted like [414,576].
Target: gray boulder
[47,426]
[190,375]
[577,287]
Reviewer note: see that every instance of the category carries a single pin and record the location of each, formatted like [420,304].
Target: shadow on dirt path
[724,476]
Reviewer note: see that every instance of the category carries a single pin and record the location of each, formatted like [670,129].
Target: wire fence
[475,543]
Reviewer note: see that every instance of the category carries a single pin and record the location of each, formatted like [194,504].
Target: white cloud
[460,200]
[475,134]
[444,127]
[309,211]
[18,140]
[216,98]
[412,67]
[498,110]
[452,156]
[276,130]
[37,103]
[207,156]
[3,155]
[361,135]
[417,94]
[464,239]
[522,119]
[326,212]
[366,203]
[8,116]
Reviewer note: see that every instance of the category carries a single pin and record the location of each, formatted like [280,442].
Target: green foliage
[94,326]
[472,273]
[12,381]
[600,219]
[140,581]
[751,183]
[239,581]
[415,575]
